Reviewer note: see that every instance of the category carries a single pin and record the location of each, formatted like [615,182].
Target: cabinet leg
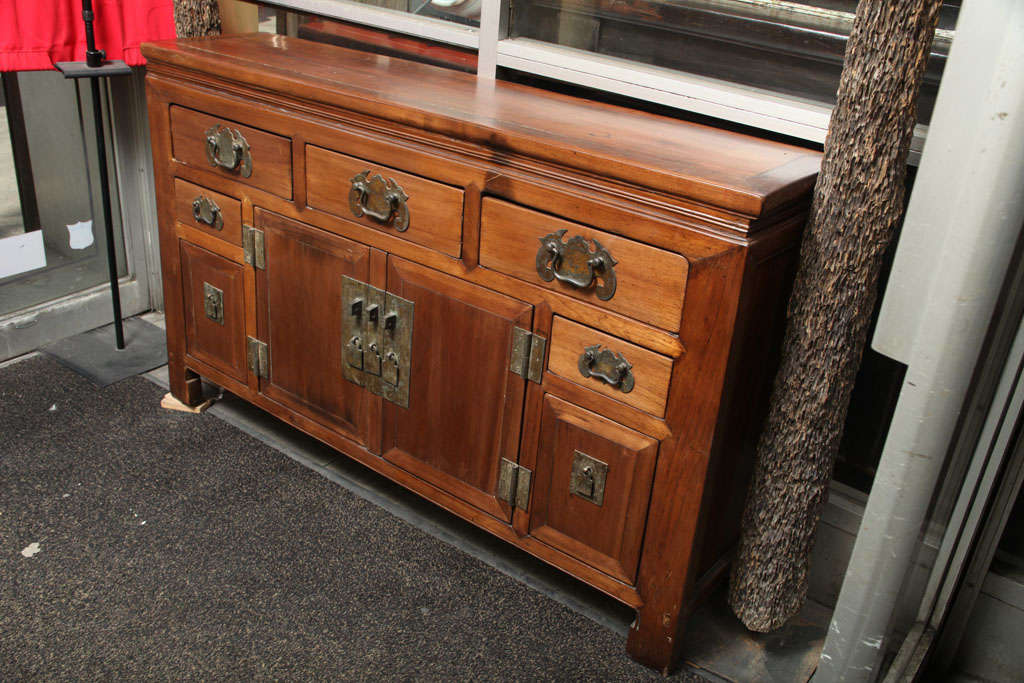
[186,385]
[654,639]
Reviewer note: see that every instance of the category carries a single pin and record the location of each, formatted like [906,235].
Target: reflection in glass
[795,48]
[49,247]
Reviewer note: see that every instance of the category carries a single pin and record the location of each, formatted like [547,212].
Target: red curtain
[36,33]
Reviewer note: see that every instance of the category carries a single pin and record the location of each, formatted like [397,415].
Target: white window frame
[758,108]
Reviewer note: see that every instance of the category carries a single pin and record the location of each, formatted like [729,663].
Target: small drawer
[214,213]
[592,488]
[400,204]
[640,281]
[610,366]
[248,155]
[214,310]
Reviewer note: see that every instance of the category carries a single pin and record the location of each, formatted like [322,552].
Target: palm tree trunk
[857,204]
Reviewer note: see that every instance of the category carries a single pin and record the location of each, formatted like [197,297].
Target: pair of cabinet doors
[465,406]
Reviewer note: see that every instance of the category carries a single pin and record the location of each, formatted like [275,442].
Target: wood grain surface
[607,536]
[736,172]
[650,281]
[435,210]
[651,372]
[230,210]
[271,154]
[222,345]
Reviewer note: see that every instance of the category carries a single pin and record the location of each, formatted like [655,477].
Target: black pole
[94,58]
[108,226]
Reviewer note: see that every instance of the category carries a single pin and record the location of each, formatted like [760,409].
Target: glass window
[466,12]
[793,48]
[49,245]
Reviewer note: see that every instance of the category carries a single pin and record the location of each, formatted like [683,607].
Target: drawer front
[610,366]
[593,485]
[400,204]
[212,212]
[248,155]
[648,282]
[214,310]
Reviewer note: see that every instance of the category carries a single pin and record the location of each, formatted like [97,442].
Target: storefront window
[792,48]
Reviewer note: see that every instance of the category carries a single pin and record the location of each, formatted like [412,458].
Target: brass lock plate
[353,302]
[588,478]
[213,303]
[376,330]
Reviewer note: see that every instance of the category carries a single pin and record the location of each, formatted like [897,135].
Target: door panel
[592,487]
[465,406]
[301,292]
[213,291]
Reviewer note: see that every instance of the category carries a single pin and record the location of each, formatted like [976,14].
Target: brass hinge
[527,359]
[514,484]
[252,245]
[259,357]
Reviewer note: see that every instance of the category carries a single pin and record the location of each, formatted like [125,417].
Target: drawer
[213,290]
[648,282]
[599,362]
[214,213]
[248,155]
[403,205]
[592,488]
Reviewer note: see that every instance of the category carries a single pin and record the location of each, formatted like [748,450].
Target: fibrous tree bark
[196,18]
[857,204]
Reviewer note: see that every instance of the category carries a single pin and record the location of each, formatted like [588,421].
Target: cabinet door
[214,297]
[592,486]
[300,297]
[465,405]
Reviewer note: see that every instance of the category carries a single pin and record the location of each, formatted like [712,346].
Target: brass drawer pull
[228,149]
[573,262]
[206,211]
[379,198]
[608,366]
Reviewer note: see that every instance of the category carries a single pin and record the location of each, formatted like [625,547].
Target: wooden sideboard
[555,318]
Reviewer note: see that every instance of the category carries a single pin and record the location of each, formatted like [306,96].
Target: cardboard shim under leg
[171,403]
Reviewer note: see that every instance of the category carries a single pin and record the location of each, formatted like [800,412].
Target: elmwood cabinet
[555,318]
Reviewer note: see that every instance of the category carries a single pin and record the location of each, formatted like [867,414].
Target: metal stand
[94,68]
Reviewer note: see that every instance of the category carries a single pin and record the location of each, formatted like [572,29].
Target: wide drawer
[249,155]
[610,366]
[403,205]
[640,281]
[212,212]
[214,298]
[593,487]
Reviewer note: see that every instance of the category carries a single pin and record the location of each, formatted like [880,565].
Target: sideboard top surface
[726,169]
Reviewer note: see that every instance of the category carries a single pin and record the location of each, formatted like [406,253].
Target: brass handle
[607,366]
[228,149]
[574,262]
[379,198]
[205,210]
